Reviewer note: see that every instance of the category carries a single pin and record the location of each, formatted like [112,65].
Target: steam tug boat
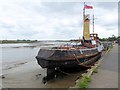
[85,52]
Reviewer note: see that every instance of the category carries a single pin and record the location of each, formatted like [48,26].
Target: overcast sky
[55,20]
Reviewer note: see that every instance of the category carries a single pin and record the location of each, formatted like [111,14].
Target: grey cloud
[46,20]
[107,5]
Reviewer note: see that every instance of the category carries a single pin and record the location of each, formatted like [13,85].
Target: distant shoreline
[29,41]
[17,41]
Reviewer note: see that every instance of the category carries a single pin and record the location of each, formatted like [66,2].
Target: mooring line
[64,72]
[82,64]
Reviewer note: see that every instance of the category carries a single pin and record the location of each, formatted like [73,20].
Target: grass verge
[84,82]
[86,78]
[95,70]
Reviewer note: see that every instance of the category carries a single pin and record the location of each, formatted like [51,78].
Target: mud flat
[30,75]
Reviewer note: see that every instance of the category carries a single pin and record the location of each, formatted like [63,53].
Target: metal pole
[93,23]
[84,12]
[83,18]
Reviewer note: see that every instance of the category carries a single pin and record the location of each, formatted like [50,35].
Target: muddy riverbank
[30,75]
[20,69]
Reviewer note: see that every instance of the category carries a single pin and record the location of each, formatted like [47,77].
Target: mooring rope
[65,72]
[82,64]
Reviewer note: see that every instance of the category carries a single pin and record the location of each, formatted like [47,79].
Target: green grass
[111,46]
[95,70]
[84,82]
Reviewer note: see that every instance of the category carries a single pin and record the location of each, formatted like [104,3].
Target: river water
[16,53]
[22,52]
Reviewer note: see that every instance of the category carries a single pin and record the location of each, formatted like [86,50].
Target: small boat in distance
[83,53]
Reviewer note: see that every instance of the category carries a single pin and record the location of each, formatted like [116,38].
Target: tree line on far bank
[17,41]
[112,38]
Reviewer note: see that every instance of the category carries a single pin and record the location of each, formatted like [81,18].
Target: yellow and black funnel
[86,32]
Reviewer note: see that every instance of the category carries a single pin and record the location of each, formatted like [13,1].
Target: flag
[88,7]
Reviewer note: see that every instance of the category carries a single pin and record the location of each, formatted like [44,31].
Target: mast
[84,12]
[93,23]
[83,16]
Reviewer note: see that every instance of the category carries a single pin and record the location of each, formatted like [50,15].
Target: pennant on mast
[88,7]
